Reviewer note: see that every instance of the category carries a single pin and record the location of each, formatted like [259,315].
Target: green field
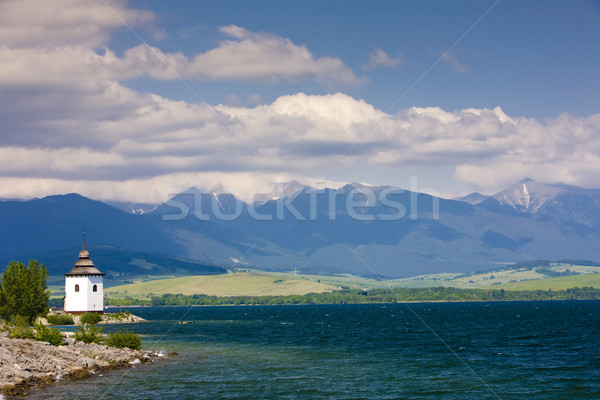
[560,283]
[248,282]
[234,284]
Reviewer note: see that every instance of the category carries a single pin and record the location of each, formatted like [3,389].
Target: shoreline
[106,318]
[27,364]
[372,296]
[352,303]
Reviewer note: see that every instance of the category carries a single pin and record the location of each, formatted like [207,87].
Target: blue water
[533,350]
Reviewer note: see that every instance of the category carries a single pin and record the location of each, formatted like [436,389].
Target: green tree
[24,290]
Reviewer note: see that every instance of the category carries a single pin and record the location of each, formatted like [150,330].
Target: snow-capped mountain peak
[527,195]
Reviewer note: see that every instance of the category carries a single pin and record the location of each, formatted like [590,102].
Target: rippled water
[535,350]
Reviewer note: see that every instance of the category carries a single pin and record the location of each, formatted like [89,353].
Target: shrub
[66,319]
[90,318]
[50,335]
[88,334]
[19,332]
[24,290]
[122,316]
[124,339]
[21,328]
[115,316]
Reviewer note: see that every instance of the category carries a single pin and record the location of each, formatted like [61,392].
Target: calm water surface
[513,350]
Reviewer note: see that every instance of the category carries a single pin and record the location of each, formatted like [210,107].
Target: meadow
[251,282]
[233,284]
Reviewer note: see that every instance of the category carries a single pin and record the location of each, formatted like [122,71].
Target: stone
[23,374]
[87,362]
[78,373]
[25,363]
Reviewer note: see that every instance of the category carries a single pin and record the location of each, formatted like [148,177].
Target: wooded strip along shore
[354,296]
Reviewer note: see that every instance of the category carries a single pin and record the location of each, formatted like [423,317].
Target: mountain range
[364,230]
[569,203]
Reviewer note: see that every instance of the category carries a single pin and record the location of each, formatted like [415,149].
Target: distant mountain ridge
[115,261]
[555,200]
[358,229]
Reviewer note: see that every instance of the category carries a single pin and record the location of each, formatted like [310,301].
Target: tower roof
[84,266]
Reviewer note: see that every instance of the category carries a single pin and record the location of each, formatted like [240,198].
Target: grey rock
[23,374]
[87,362]
[24,360]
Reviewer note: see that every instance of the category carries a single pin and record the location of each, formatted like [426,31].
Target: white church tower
[83,286]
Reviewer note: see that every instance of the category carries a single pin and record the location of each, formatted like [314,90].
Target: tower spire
[83,240]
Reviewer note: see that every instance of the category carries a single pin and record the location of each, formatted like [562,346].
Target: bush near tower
[24,291]
[90,318]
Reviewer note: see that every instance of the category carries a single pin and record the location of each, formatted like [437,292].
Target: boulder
[25,362]
[88,363]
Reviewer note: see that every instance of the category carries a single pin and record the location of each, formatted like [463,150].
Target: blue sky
[533,58]
[135,100]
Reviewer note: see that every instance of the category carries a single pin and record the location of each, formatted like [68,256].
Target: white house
[84,286]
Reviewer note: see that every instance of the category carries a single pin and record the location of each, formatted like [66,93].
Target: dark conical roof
[84,266]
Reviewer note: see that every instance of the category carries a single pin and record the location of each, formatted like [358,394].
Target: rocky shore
[107,318]
[26,363]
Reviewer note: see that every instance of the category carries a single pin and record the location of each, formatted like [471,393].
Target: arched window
[77,288]
[95,288]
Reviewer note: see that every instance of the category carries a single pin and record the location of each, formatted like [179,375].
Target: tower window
[77,288]
[95,288]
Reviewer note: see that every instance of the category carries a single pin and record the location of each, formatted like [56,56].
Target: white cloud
[69,125]
[563,150]
[157,189]
[160,142]
[249,57]
[455,64]
[34,23]
[379,58]
[62,36]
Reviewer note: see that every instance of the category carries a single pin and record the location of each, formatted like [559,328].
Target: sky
[136,101]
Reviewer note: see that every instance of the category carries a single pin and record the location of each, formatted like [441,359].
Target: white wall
[86,299]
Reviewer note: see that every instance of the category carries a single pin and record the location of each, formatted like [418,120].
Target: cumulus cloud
[246,56]
[562,150]
[161,142]
[379,58]
[69,124]
[65,35]
[264,57]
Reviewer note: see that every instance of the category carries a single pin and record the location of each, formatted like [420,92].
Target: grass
[560,283]
[338,281]
[235,284]
[252,282]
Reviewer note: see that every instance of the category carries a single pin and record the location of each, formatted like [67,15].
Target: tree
[24,290]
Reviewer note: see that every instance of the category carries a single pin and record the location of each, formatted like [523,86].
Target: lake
[492,350]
